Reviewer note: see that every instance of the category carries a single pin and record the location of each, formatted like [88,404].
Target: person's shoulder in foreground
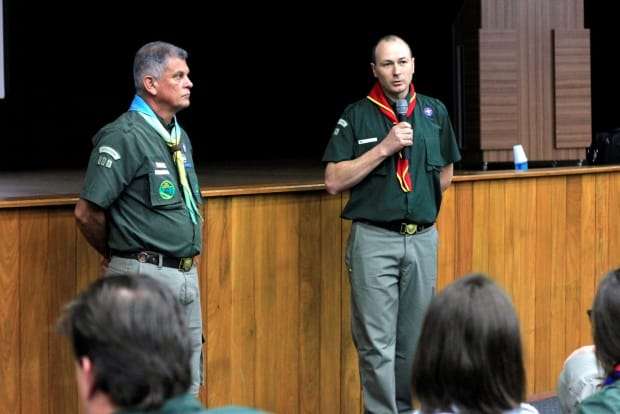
[188,404]
[581,377]
[607,400]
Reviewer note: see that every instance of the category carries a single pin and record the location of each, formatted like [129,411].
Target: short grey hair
[151,60]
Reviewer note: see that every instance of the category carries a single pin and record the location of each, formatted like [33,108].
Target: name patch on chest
[367,140]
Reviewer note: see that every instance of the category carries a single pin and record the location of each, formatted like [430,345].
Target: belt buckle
[142,257]
[408,229]
[186,263]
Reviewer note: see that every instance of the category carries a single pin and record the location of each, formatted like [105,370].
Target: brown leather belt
[184,264]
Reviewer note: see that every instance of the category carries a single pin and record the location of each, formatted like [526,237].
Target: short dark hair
[470,355]
[133,330]
[605,320]
[387,38]
[151,59]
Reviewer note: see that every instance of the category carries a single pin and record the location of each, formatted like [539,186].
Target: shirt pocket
[434,161]
[164,192]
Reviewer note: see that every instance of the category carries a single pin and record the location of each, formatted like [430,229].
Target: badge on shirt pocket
[164,193]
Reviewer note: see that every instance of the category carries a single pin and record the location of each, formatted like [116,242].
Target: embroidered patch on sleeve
[104,149]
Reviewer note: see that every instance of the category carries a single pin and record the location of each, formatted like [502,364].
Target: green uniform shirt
[605,401]
[379,197]
[131,174]
[187,404]
[184,404]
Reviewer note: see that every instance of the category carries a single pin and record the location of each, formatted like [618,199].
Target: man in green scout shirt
[140,204]
[396,170]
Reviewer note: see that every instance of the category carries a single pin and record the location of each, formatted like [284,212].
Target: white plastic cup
[519,157]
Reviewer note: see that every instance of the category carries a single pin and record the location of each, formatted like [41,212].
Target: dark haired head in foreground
[132,348]
[130,342]
[469,358]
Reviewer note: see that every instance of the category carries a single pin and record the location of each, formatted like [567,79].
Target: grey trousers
[185,288]
[393,280]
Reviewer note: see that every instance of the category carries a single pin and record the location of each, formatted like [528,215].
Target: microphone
[401,112]
[401,109]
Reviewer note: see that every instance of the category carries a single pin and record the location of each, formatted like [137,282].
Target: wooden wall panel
[557,311]
[447,238]
[310,291]
[613,224]
[87,263]
[499,89]
[275,308]
[34,304]
[527,268]
[544,250]
[266,305]
[61,272]
[480,210]
[496,235]
[276,291]
[464,223]
[534,79]
[10,316]
[217,323]
[287,232]
[572,289]
[331,317]
[587,254]
[533,234]
[241,303]
[573,118]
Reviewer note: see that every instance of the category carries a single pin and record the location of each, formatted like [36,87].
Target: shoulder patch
[104,149]
[342,123]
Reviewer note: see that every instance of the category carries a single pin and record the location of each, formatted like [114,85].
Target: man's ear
[86,377]
[150,84]
[374,72]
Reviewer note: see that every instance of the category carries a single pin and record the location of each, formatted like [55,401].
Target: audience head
[130,342]
[469,355]
[605,321]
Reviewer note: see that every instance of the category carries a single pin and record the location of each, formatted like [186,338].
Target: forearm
[340,176]
[92,223]
[445,176]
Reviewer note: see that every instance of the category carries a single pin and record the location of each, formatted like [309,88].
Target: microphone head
[401,109]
